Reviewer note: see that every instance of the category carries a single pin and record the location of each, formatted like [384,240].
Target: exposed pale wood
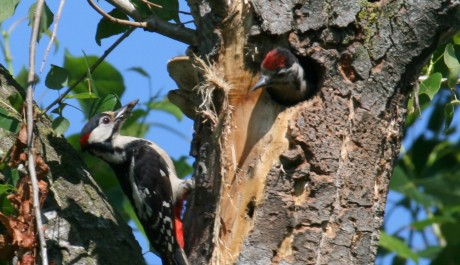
[305,184]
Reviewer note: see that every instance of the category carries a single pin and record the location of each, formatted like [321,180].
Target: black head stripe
[92,124]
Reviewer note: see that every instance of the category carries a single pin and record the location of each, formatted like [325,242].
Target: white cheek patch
[101,133]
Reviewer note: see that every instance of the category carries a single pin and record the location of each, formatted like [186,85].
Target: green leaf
[398,246]
[420,225]
[107,28]
[431,85]
[21,78]
[450,59]
[402,184]
[46,18]
[57,77]
[14,175]
[429,252]
[449,114]
[437,118]
[140,71]
[413,111]
[8,8]
[6,188]
[106,79]
[134,128]
[85,95]
[183,168]
[16,101]
[128,209]
[169,9]
[8,122]
[58,110]
[447,255]
[106,103]
[60,125]
[166,106]
[456,38]
[6,206]
[451,233]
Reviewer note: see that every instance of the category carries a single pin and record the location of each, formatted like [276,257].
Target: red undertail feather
[179,226]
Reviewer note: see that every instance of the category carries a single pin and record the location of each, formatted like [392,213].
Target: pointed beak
[123,112]
[263,81]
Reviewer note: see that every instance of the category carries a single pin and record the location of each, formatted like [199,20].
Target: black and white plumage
[147,177]
[283,77]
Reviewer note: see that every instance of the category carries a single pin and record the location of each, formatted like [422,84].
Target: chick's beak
[263,81]
[123,112]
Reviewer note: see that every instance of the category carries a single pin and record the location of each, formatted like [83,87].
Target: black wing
[151,197]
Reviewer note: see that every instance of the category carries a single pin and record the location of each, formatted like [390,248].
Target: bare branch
[53,35]
[91,69]
[155,24]
[114,19]
[174,31]
[30,126]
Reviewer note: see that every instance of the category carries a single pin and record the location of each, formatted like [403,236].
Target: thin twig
[155,24]
[185,13]
[5,46]
[416,101]
[150,4]
[30,131]
[114,19]
[91,69]
[53,35]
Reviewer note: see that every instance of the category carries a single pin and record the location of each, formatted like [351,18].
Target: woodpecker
[283,77]
[147,177]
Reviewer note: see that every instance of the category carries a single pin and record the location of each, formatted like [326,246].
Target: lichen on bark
[81,226]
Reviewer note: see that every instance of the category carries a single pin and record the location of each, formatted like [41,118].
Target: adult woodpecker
[283,77]
[147,177]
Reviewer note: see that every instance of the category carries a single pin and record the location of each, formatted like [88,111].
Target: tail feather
[180,258]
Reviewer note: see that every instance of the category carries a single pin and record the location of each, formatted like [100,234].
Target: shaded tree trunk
[305,184]
[81,226]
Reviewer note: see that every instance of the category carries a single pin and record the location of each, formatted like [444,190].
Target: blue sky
[76,32]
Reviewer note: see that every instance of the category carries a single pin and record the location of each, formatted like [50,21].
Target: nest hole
[314,74]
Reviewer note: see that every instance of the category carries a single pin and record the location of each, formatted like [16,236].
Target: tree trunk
[81,226]
[305,184]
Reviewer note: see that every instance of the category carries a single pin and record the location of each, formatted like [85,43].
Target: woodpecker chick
[283,77]
[147,177]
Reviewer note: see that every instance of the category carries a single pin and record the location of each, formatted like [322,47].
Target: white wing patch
[144,211]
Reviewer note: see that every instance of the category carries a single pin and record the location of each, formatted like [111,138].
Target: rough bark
[305,184]
[81,226]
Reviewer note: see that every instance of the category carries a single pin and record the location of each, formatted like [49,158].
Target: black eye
[105,120]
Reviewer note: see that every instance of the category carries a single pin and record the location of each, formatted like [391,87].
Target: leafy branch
[153,22]
[91,69]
